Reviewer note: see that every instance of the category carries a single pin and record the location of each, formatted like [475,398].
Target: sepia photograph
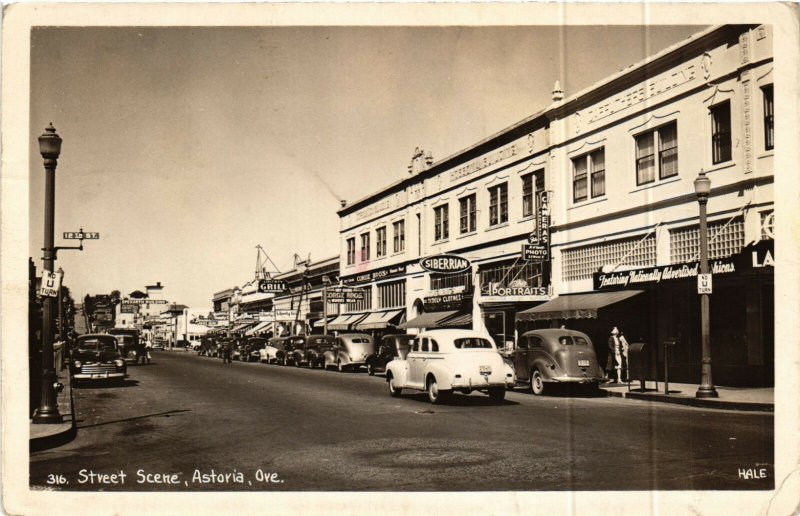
[399,258]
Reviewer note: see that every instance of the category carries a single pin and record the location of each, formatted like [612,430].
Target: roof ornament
[558,93]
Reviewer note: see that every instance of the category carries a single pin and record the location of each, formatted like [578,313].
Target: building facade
[602,183]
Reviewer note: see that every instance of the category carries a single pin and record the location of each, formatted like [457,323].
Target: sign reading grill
[445,264]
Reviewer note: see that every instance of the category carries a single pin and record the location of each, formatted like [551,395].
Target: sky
[187,147]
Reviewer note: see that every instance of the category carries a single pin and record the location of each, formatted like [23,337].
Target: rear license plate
[583,363]
[485,369]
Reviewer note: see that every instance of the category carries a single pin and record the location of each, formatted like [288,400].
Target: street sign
[704,284]
[51,283]
[272,286]
[81,235]
[534,252]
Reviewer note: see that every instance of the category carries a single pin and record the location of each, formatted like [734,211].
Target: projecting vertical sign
[538,247]
[51,283]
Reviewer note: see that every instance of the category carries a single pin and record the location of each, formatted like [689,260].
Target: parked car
[315,348]
[297,355]
[444,361]
[349,352]
[274,352]
[158,343]
[392,346]
[183,343]
[556,355]
[206,344]
[252,348]
[131,346]
[97,357]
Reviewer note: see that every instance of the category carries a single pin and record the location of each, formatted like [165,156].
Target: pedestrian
[226,353]
[623,344]
[614,361]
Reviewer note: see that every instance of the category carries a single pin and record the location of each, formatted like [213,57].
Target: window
[725,238]
[434,346]
[424,344]
[662,141]
[360,306]
[467,214]
[351,251]
[498,204]
[442,222]
[380,242]
[580,262]
[721,133]
[506,272]
[769,120]
[462,279]
[589,166]
[529,181]
[365,247]
[392,295]
[399,228]
[472,343]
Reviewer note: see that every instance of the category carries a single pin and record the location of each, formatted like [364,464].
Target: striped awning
[429,319]
[258,328]
[241,327]
[457,321]
[345,322]
[321,322]
[380,320]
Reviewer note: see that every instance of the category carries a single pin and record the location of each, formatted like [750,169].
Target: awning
[380,320]
[578,306]
[428,319]
[343,322]
[321,322]
[240,327]
[462,319]
[258,328]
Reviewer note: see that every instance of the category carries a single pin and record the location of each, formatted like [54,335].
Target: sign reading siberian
[445,264]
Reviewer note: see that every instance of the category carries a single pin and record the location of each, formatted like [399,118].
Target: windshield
[277,344]
[97,344]
[472,343]
[124,339]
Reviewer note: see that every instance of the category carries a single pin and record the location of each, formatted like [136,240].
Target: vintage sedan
[392,346]
[445,361]
[97,357]
[274,352]
[252,349]
[349,352]
[131,346]
[556,356]
[315,348]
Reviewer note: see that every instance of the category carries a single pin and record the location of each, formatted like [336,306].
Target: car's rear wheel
[497,394]
[370,369]
[339,366]
[394,391]
[435,395]
[537,383]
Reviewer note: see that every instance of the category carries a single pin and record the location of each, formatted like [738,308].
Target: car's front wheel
[339,366]
[537,383]
[394,391]
[370,369]
[435,395]
[497,394]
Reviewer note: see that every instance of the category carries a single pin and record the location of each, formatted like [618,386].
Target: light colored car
[349,352]
[445,361]
[273,352]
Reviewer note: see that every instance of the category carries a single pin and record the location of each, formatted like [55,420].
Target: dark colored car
[315,348]
[96,357]
[391,347]
[557,356]
[252,348]
[206,344]
[349,352]
[131,347]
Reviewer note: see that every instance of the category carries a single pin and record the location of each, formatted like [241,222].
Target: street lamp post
[50,149]
[702,187]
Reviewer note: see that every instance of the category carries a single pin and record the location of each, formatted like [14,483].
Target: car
[315,348]
[441,362]
[392,346]
[349,352]
[95,357]
[252,348]
[206,344]
[158,343]
[131,345]
[297,355]
[274,352]
[556,356]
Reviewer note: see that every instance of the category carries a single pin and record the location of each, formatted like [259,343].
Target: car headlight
[119,363]
[77,364]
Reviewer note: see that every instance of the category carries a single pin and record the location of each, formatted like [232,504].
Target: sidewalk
[730,398]
[47,436]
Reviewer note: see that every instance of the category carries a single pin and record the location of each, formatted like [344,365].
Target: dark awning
[343,322]
[462,319]
[428,319]
[321,322]
[578,306]
[380,320]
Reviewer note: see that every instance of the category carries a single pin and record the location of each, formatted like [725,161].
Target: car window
[472,343]
[425,344]
[415,347]
[523,343]
[434,346]
[535,342]
[565,340]
[360,340]
[580,341]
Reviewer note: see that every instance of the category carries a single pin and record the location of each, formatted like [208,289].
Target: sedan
[96,357]
[392,346]
[349,352]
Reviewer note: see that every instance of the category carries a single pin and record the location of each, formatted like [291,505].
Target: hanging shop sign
[272,286]
[345,295]
[378,274]
[534,252]
[517,290]
[51,283]
[445,264]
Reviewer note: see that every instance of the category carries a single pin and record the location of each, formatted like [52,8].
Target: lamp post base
[47,418]
[706,391]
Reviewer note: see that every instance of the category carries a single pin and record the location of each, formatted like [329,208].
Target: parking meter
[669,343]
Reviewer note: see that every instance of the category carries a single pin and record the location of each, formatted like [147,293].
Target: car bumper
[574,379]
[482,383]
[97,376]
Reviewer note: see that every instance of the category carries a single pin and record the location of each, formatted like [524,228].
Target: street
[193,423]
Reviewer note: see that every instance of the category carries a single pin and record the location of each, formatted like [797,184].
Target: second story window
[467,214]
[721,133]
[532,186]
[589,166]
[657,154]
[351,251]
[498,204]
[365,247]
[399,228]
[380,242]
[769,119]
[441,222]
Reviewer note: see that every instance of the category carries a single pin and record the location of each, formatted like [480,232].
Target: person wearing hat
[614,362]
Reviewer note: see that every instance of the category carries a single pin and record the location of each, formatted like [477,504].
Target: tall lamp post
[702,188]
[50,149]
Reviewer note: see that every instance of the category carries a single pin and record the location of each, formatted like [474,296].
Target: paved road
[211,426]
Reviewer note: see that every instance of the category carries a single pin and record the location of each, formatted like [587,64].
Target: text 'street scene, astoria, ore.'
[403,258]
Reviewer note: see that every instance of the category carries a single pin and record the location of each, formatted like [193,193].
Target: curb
[65,432]
[695,402]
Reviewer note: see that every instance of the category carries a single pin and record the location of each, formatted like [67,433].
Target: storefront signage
[488,160]
[272,286]
[128,308]
[343,296]
[146,301]
[284,315]
[534,252]
[445,264]
[51,283]
[378,274]
[446,301]
[517,291]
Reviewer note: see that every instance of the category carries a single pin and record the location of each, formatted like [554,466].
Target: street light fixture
[702,188]
[50,149]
